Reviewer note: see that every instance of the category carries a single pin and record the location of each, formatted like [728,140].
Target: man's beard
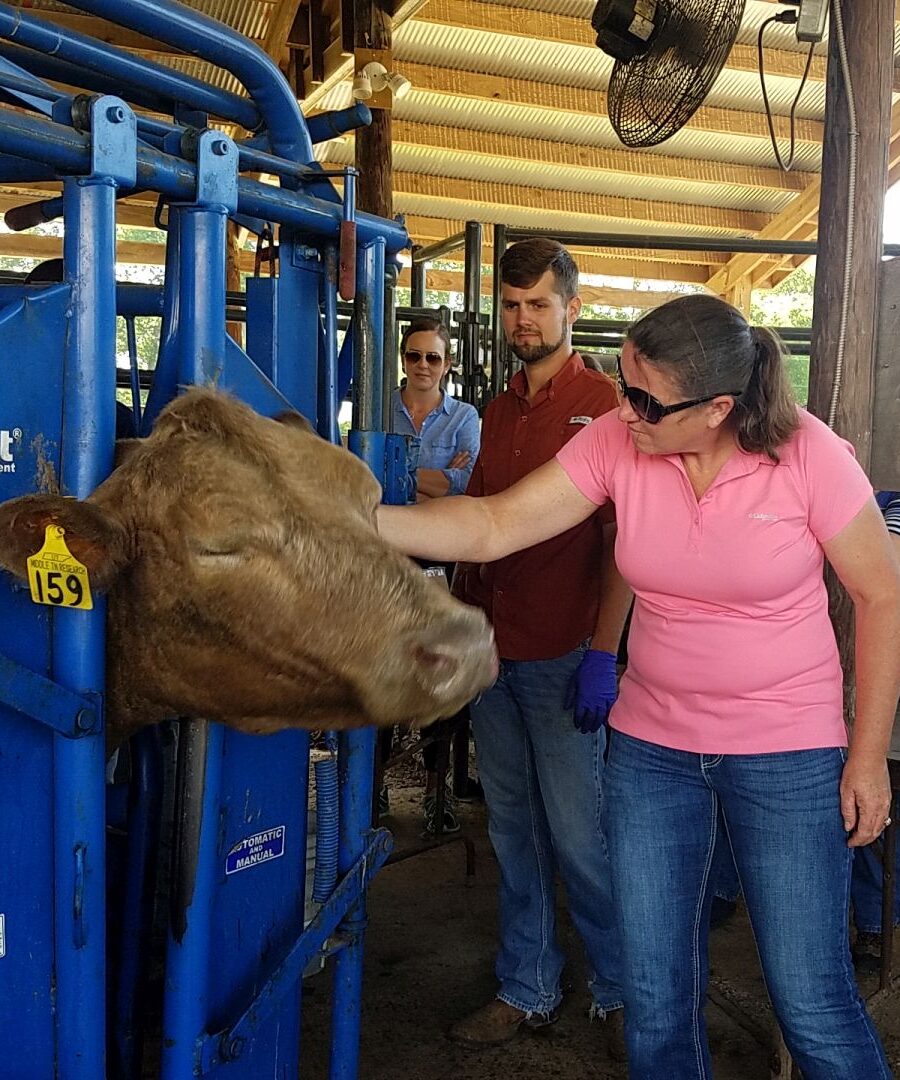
[531,354]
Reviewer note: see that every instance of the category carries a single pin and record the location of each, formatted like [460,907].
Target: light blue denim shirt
[448,429]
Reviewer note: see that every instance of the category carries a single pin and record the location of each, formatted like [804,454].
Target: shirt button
[517,452]
[524,418]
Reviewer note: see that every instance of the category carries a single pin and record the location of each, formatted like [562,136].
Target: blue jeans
[541,780]
[865,889]
[783,819]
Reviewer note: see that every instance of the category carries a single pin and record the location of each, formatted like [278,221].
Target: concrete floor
[429,960]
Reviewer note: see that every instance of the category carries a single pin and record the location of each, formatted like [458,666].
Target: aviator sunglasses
[413,356]
[651,409]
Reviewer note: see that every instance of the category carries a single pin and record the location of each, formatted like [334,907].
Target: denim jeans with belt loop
[783,819]
[542,784]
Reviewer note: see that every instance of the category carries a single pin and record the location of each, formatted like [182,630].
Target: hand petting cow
[248,584]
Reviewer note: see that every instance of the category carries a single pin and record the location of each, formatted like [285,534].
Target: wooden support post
[374,192]
[233,275]
[869,33]
[741,294]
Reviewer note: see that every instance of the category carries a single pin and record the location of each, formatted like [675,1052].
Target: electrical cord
[837,20]
[782,17]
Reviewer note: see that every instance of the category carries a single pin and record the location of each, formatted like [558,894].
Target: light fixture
[362,86]
[375,78]
[399,84]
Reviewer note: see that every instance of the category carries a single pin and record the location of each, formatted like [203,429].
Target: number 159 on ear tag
[56,577]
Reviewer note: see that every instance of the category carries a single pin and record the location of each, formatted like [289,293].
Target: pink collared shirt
[731,650]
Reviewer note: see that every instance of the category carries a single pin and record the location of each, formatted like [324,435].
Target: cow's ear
[126,449]
[94,537]
[296,420]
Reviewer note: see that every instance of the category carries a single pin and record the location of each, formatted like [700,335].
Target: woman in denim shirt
[448,436]
[447,429]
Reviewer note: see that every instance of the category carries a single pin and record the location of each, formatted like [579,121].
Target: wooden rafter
[796,222]
[281,19]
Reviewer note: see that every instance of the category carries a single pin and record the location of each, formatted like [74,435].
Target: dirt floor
[429,960]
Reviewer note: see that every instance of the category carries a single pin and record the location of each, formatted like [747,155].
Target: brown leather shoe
[497,1023]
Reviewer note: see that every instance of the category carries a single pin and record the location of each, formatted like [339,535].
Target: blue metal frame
[51,682]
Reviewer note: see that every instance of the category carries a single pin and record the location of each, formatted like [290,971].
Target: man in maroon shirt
[540,772]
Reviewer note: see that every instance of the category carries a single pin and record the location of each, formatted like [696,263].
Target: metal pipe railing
[69,151]
[730,244]
[80,51]
[199,35]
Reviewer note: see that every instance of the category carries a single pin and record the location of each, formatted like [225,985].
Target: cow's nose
[457,658]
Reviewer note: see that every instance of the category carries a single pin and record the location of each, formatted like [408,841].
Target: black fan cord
[782,17]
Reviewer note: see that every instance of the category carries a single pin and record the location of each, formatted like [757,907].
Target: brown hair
[707,347]
[424,324]
[524,263]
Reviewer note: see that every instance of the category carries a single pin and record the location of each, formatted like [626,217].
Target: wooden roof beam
[803,227]
[33,246]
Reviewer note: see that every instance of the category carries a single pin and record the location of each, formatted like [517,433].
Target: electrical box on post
[811,20]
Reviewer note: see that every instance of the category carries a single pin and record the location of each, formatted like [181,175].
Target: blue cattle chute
[236,947]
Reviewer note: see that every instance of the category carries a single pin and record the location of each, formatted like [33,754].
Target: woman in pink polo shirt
[730,716]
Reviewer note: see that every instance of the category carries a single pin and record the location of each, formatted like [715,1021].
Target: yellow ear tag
[56,577]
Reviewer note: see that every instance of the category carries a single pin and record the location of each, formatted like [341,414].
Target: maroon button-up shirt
[542,602]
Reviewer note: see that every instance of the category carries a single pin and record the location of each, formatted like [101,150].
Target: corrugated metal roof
[564,60]
[575,65]
[435,161]
[484,114]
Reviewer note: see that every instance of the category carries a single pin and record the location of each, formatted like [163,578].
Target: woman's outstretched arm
[462,529]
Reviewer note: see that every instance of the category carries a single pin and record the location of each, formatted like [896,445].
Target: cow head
[247,582]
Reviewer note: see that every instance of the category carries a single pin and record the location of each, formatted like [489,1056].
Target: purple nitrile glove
[593,690]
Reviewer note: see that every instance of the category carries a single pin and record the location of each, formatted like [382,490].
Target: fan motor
[626,28]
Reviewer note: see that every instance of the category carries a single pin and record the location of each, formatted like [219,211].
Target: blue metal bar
[144,818]
[190,939]
[202,36]
[82,51]
[225,1046]
[78,637]
[51,67]
[71,714]
[357,748]
[68,151]
[328,400]
[357,758]
[201,305]
[368,317]
[330,125]
[133,372]
[26,89]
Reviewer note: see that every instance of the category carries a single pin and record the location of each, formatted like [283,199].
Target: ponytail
[766,413]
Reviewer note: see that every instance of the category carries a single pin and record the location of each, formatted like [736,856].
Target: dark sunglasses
[649,408]
[413,356]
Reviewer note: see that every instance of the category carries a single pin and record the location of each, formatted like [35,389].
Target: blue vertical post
[357,748]
[200,348]
[189,950]
[88,441]
[329,405]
